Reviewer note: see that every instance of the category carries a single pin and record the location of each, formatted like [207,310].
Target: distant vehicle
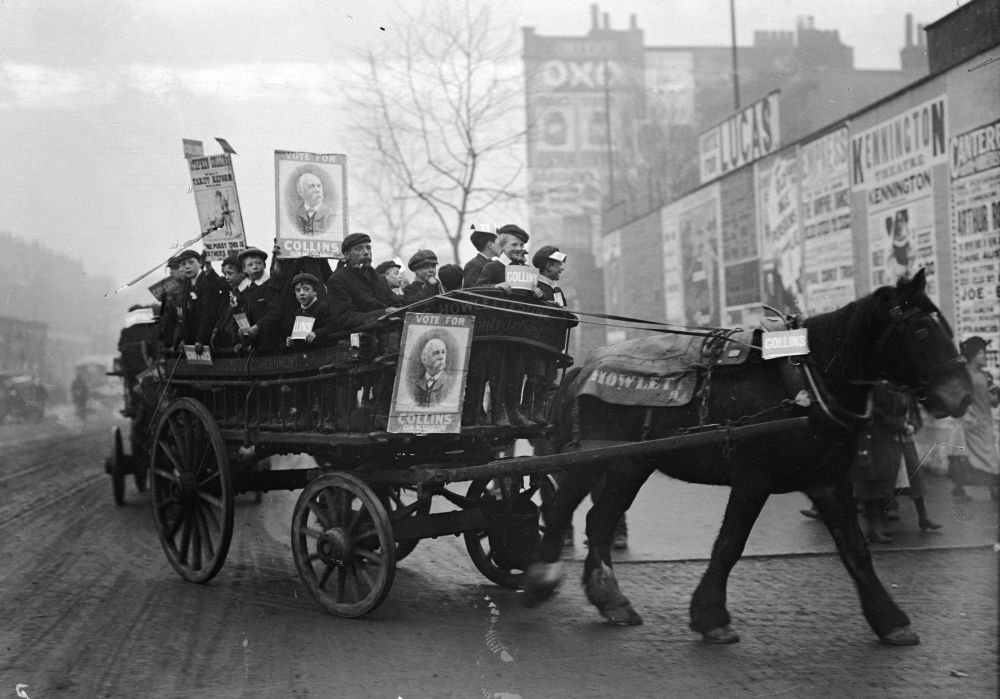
[103,390]
[22,398]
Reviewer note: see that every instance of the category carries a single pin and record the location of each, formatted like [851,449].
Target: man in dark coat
[484,239]
[203,299]
[261,302]
[358,294]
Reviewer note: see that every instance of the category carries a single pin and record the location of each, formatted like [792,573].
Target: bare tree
[438,107]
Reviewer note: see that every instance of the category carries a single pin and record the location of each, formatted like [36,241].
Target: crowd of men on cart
[252,308]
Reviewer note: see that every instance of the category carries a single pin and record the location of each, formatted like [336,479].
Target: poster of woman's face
[310,203]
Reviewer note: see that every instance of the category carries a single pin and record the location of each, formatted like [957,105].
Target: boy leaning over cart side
[261,301]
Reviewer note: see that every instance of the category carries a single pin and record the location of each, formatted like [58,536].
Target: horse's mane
[840,340]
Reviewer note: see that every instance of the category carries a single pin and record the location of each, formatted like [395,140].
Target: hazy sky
[96,95]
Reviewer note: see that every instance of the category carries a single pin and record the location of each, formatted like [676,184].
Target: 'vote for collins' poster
[430,376]
[310,192]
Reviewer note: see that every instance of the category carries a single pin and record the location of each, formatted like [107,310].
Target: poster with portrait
[218,205]
[430,375]
[310,192]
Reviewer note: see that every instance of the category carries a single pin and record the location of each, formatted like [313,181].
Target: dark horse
[895,333]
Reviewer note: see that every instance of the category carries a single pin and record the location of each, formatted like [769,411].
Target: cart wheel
[191,490]
[117,467]
[504,567]
[342,544]
[395,500]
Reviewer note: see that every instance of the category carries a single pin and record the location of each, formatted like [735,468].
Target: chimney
[909,30]
[607,20]
[632,22]
[921,36]
[593,17]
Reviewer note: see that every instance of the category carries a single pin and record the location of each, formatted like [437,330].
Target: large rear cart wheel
[397,499]
[191,490]
[117,466]
[504,551]
[342,544]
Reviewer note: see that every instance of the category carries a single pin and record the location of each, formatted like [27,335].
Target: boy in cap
[425,285]
[170,310]
[226,335]
[511,239]
[549,261]
[202,301]
[451,277]
[484,239]
[390,270]
[358,294]
[306,288]
[979,462]
[261,301]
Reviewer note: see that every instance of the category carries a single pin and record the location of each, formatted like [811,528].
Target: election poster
[698,225]
[430,376]
[310,203]
[218,205]
[781,250]
[975,232]
[892,164]
[826,223]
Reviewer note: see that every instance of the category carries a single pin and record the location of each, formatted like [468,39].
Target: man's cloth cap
[421,258]
[352,240]
[515,231]
[386,266]
[546,253]
[188,254]
[251,252]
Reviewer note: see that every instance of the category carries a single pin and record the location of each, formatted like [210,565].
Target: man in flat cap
[979,462]
[425,285]
[261,301]
[484,239]
[202,301]
[390,270]
[358,294]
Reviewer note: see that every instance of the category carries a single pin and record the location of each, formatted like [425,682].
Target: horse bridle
[915,326]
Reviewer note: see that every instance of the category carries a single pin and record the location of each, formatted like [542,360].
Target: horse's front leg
[709,615]
[837,508]
[622,483]
[544,576]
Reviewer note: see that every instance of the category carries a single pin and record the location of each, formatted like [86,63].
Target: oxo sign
[581,75]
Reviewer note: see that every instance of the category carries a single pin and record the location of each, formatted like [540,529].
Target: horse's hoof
[622,616]
[541,582]
[724,634]
[903,636]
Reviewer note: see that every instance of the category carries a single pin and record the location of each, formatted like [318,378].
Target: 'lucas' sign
[746,136]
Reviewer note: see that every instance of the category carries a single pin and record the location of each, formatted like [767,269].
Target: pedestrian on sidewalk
[978,462]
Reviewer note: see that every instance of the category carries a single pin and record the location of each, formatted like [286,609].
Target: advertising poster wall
[218,205]
[975,228]
[430,376]
[741,275]
[701,257]
[781,249]
[310,203]
[826,223]
[673,280]
[892,165]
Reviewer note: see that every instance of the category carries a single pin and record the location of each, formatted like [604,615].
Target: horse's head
[916,349]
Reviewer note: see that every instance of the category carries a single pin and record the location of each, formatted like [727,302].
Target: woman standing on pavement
[978,463]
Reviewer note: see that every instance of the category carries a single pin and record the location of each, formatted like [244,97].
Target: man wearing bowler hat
[484,239]
[202,301]
[357,293]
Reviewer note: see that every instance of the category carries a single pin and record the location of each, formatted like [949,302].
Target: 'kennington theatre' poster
[310,203]
[430,375]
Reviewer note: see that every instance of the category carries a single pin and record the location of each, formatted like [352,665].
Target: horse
[895,333]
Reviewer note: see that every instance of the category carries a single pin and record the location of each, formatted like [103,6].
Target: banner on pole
[218,205]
